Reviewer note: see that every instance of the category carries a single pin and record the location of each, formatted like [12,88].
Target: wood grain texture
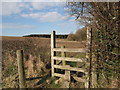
[69,68]
[82,50]
[70,59]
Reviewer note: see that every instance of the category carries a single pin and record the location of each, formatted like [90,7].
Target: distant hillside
[64,36]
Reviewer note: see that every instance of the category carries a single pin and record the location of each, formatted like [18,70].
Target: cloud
[15,26]
[64,24]
[0,8]
[11,0]
[0,26]
[43,4]
[45,0]
[34,0]
[9,8]
[46,17]
[60,0]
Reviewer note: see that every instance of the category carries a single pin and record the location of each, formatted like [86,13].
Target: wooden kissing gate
[87,70]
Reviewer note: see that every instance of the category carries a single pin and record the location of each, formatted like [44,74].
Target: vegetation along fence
[87,69]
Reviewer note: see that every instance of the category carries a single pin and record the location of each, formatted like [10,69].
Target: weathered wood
[89,58]
[53,45]
[91,61]
[87,79]
[69,59]
[58,62]
[69,68]
[79,79]
[63,54]
[82,50]
[67,79]
[88,73]
[94,73]
[21,70]
[59,75]
[67,75]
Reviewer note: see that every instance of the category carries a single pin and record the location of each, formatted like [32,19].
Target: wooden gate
[87,68]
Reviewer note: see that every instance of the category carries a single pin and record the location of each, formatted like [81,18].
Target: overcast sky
[23,18]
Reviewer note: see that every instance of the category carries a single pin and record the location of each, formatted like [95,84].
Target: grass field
[39,49]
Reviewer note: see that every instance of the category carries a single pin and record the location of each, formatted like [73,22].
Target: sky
[24,18]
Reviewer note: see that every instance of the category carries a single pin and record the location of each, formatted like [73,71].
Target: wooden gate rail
[88,60]
[69,59]
[82,50]
[69,68]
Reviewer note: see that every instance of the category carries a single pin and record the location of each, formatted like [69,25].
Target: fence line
[89,72]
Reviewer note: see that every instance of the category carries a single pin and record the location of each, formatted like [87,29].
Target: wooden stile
[88,61]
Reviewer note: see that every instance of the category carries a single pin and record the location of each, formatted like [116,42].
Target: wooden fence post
[94,74]
[53,45]
[67,79]
[88,57]
[92,78]
[63,55]
[21,70]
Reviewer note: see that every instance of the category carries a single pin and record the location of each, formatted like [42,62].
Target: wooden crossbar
[69,68]
[82,50]
[59,75]
[69,59]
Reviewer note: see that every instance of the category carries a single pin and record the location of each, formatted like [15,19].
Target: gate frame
[89,74]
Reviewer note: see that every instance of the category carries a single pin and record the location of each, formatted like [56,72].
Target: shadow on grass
[44,78]
[33,78]
[41,79]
